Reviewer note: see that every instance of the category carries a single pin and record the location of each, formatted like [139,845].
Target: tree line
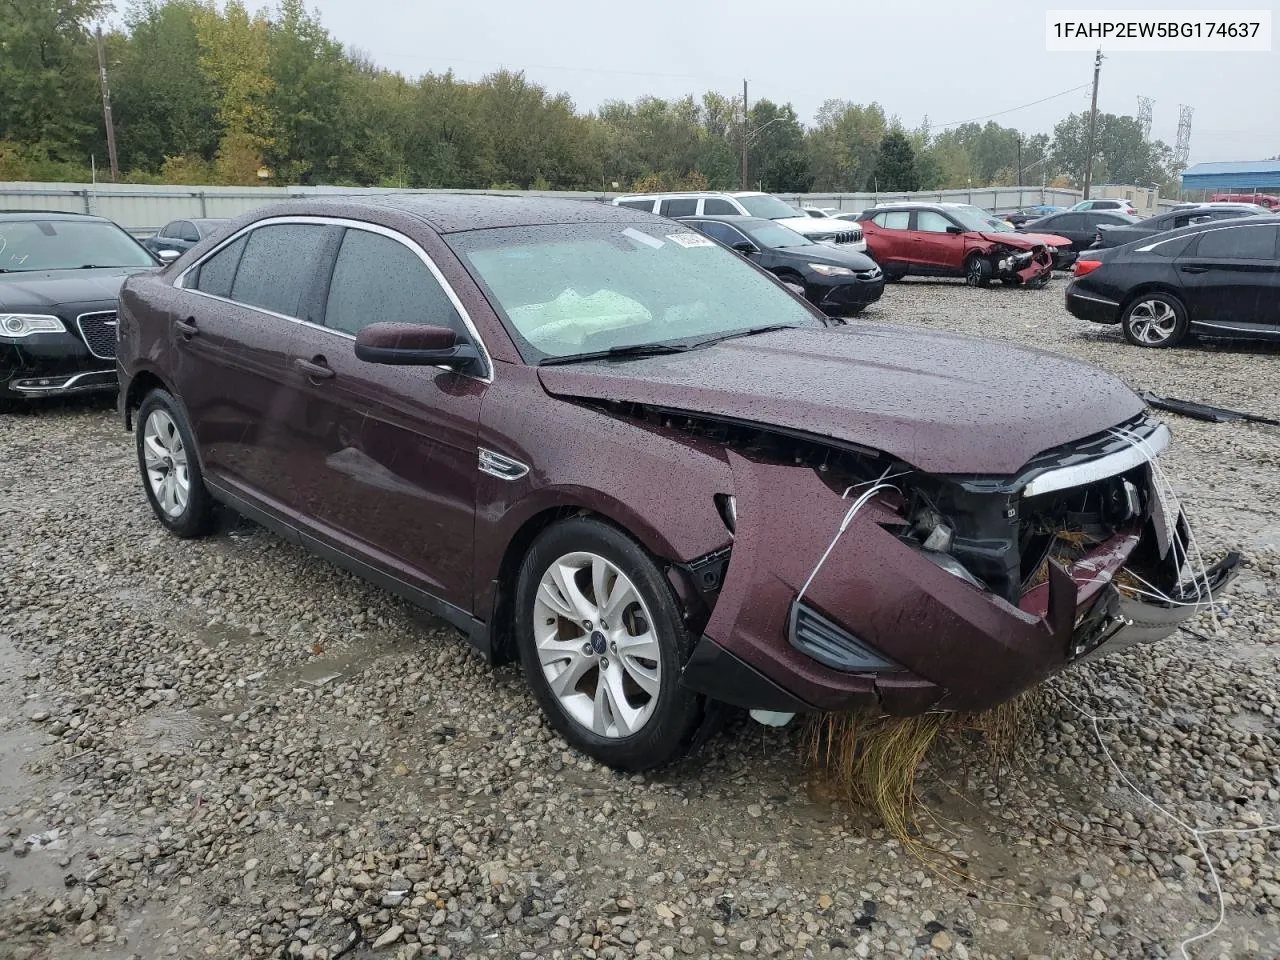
[202,95]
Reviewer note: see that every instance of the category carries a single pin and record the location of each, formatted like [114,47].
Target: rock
[636,839]
[748,945]
[387,939]
[941,941]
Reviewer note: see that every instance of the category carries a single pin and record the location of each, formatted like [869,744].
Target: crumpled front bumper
[945,643]
[1034,266]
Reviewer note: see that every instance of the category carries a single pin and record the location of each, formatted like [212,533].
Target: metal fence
[144,208]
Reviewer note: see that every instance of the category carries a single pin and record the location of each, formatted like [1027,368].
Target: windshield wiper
[630,350]
[750,331]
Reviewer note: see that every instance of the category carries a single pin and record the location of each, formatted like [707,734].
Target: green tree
[896,164]
[48,79]
[844,145]
[1121,154]
[776,155]
[163,102]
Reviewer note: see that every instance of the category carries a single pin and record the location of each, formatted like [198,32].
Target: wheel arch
[140,384]
[1154,286]
[498,585]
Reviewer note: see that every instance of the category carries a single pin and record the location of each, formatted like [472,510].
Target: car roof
[457,213]
[20,215]
[1231,224]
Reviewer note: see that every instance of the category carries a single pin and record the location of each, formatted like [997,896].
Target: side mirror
[954,229]
[745,246]
[413,344]
[168,256]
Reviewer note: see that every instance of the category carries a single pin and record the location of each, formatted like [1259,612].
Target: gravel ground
[228,748]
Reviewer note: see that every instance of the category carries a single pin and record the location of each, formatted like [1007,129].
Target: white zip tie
[844,525]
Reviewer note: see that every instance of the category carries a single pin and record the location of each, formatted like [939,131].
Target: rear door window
[278,266]
[380,280]
[679,207]
[1239,243]
[718,206]
[893,219]
[216,274]
[646,204]
[187,231]
[1071,221]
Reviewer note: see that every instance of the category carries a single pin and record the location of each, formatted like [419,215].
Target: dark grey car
[181,235]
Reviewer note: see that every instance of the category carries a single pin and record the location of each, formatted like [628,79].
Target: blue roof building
[1233,176]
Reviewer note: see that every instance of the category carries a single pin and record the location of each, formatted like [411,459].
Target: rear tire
[602,644]
[1155,319]
[170,467]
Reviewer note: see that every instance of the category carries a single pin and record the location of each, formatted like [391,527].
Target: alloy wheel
[595,641]
[165,457]
[1152,321]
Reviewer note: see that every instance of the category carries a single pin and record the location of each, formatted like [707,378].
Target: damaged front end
[1033,266]
[857,582]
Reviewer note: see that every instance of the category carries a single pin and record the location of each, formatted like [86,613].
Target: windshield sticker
[631,233]
[690,240]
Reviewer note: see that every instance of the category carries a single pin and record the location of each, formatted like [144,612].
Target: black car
[60,276]
[1219,279]
[838,282]
[1080,227]
[181,235]
[1116,235]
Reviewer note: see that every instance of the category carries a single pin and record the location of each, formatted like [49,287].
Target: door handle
[187,327]
[1187,268]
[316,369]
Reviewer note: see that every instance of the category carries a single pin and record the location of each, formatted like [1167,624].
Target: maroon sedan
[594,439]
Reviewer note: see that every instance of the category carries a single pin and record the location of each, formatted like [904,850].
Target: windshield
[771,208]
[773,235]
[564,290]
[27,245]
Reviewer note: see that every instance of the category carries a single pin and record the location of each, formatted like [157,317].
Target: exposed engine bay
[870,583]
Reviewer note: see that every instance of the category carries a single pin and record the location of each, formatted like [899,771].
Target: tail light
[1086,267]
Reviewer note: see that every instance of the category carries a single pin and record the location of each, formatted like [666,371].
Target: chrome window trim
[1110,465]
[487,359]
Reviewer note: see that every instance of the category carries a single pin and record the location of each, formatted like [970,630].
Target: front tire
[602,644]
[1155,320]
[977,271]
[170,468]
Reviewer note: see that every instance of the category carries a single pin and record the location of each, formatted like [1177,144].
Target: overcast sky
[952,61]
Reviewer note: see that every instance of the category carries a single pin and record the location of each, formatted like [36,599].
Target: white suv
[848,236]
[1124,206]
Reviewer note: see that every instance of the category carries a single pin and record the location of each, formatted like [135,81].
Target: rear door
[1231,277]
[387,464]
[236,319]
[890,241]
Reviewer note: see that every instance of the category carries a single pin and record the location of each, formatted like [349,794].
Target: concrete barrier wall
[144,208]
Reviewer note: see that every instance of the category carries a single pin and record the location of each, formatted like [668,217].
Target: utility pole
[744,134]
[1019,140]
[106,109]
[1093,125]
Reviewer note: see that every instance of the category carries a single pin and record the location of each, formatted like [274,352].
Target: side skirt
[476,631]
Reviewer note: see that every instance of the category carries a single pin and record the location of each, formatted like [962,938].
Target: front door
[388,456]
[935,247]
[234,323]
[1229,277]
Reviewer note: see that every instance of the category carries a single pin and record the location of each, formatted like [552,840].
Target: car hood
[941,402]
[816,225]
[825,253]
[49,288]
[1017,240]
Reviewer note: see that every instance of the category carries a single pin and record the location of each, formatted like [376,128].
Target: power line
[1001,113]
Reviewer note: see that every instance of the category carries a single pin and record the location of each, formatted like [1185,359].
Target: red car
[934,239]
[1267,200]
[600,442]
